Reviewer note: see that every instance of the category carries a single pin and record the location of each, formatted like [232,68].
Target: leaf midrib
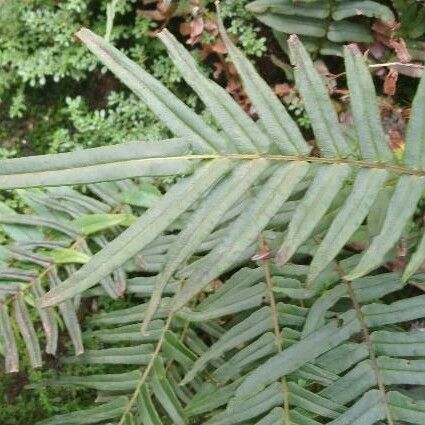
[393,168]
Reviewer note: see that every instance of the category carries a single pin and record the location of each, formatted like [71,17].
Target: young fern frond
[250,180]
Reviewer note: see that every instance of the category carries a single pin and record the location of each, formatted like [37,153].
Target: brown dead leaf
[219,69]
[396,139]
[400,49]
[155,15]
[219,47]
[163,6]
[264,254]
[211,26]
[383,30]
[390,82]
[196,29]
[216,284]
[184,28]
[282,89]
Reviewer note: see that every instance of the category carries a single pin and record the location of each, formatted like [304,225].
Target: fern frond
[320,349]
[366,185]
[43,248]
[320,321]
[322,24]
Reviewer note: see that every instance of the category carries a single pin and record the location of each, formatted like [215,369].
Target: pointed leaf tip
[353,49]
[281,257]
[293,39]
[80,33]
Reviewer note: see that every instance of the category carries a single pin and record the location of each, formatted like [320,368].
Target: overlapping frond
[323,24]
[60,230]
[332,375]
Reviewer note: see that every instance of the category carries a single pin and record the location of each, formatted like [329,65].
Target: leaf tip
[282,257]
[144,328]
[82,33]
[186,379]
[163,34]
[293,40]
[406,275]
[47,300]
[353,49]
[254,7]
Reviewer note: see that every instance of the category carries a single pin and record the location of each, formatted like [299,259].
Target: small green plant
[411,15]
[123,119]
[243,26]
[38,54]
